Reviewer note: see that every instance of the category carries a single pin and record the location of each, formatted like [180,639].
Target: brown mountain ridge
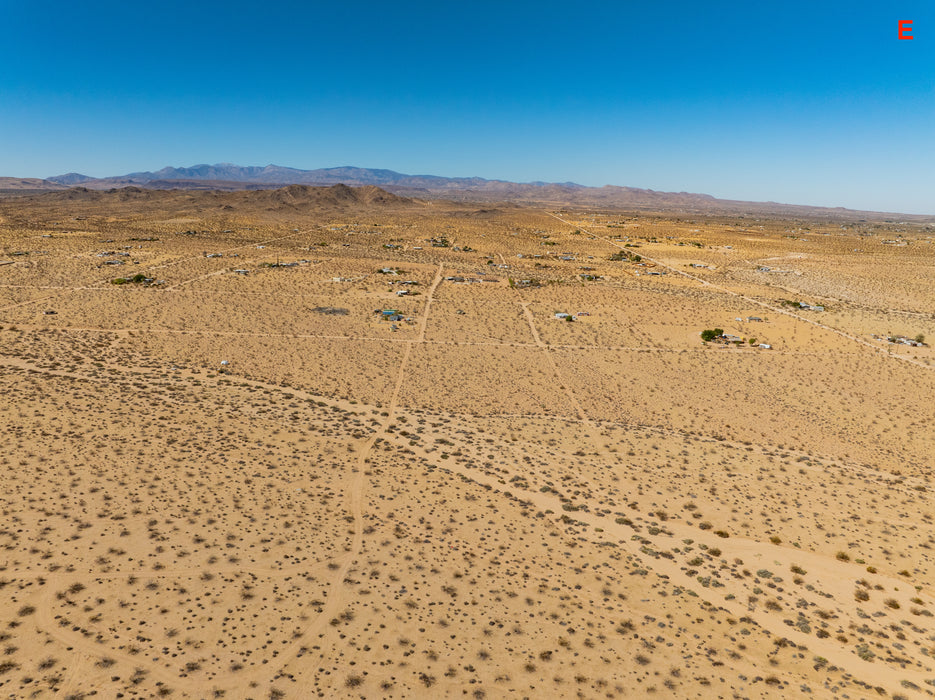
[228,177]
[289,197]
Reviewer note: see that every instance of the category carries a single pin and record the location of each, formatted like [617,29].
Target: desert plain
[332,442]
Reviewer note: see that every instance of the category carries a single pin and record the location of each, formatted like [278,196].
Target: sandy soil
[252,485]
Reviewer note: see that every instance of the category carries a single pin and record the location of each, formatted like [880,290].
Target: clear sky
[801,102]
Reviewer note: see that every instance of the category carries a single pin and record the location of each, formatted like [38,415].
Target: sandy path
[84,647]
[397,339]
[193,279]
[60,287]
[551,360]
[31,301]
[428,303]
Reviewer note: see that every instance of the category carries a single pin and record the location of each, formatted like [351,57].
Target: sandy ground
[251,485]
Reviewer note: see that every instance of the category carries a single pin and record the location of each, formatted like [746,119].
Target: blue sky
[812,103]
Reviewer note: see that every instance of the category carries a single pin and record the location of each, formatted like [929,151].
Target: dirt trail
[551,360]
[397,339]
[30,301]
[193,279]
[532,325]
[428,303]
[83,647]
[59,287]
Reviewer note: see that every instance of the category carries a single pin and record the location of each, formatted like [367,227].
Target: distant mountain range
[279,175]
[230,177]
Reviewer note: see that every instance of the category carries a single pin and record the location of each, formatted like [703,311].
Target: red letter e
[905,29]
